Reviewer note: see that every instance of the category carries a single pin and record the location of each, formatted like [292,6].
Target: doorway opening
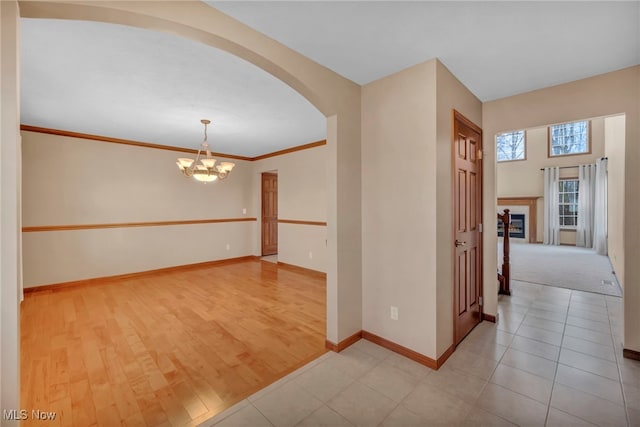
[577,206]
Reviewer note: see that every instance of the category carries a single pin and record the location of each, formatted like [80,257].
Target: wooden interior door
[269,213]
[467,238]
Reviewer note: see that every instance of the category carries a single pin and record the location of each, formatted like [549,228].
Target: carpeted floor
[563,266]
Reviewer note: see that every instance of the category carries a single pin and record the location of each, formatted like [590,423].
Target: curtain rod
[571,167]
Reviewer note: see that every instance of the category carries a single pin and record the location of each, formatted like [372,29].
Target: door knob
[459,243]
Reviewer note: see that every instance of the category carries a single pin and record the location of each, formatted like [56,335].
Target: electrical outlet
[228,247]
[394,313]
[244,211]
[310,255]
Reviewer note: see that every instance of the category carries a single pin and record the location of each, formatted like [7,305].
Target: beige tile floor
[554,359]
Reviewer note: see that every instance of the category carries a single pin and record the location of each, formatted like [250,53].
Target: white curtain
[551,210]
[600,208]
[586,205]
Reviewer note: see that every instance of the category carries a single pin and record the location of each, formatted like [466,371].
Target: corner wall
[399,207]
[407,121]
[451,94]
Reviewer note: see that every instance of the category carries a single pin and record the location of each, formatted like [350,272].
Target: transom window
[568,203]
[511,146]
[569,138]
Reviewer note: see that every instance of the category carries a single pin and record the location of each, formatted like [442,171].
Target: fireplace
[516,228]
[523,204]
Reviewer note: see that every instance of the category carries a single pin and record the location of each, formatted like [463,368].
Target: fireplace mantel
[532,202]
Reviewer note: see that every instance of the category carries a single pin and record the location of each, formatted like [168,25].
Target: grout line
[615,354]
[568,289]
[380,362]
[588,372]
[488,381]
[555,374]
[226,415]
[571,415]
[265,417]
[538,340]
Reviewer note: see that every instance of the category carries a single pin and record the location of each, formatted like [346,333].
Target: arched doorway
[336,97]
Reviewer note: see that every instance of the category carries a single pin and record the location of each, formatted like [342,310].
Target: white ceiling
[496,49]
[137,84]
[142,85]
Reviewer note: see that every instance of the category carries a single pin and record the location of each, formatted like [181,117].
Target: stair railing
[504,277]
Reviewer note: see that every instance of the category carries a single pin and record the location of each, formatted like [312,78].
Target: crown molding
[109,139]
[291,150]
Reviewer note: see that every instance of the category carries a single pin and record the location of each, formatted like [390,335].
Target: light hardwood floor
[170,348]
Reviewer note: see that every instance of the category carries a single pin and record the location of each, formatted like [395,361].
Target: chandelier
[206,170]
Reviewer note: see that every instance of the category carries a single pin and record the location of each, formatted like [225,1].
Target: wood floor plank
[152,411]
[62,408]
[176,412]
[126,402]
[172,348]
[83,411]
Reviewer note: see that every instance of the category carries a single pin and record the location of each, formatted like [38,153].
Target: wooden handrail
[504,278]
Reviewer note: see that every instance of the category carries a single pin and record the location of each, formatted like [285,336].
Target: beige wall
[523,178]
[10,280]
[614,150]
[398,209]
[303,245]
[77,181]
[62,256]
[80,181]
[607,94]
[406,122]
[344,225]
[302,188]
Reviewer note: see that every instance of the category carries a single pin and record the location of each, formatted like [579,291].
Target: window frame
[550,140]
[524,149]
[577,193]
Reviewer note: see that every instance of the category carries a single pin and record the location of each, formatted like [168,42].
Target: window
[569,138]
[568,203]
[510,146]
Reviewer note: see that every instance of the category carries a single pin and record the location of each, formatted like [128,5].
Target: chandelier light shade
[204,168]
